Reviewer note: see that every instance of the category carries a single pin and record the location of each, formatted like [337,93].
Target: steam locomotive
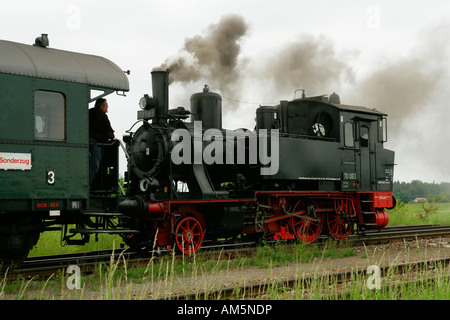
[311,166]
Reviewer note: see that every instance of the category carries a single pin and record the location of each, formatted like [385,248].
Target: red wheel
[308,228]
[339,225]
[188,235]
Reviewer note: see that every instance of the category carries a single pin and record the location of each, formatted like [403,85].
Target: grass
[410,213]
[50,243]
[111,281]
[281,254]
[427,283]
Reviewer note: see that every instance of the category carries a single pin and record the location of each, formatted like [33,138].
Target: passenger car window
[348,135]
[49,115]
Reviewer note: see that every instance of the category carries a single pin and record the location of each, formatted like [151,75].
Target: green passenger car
[44,143]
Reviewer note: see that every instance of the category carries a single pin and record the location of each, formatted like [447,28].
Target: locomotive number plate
[349,175]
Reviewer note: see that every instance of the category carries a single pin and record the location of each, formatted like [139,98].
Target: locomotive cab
[340,146]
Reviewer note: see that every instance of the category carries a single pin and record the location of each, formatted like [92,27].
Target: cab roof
[360,109]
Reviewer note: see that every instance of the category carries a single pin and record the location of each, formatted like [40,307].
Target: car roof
[48,63]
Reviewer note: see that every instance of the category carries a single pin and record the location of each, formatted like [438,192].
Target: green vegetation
[282,254]
[107,277]
[419,213]
[434,192]
[117,280]
[50,243]
[427,283]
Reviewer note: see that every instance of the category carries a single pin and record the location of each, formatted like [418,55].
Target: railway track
[400,233]
[261,289]
[47,265]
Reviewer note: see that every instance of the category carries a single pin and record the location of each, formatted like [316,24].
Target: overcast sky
[389,55]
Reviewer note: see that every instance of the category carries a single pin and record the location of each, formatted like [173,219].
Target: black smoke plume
[212,57]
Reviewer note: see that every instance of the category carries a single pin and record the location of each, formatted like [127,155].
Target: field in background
[416,213]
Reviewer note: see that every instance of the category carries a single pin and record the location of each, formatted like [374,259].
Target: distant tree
[434,192]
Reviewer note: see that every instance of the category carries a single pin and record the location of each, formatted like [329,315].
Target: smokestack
[160,88]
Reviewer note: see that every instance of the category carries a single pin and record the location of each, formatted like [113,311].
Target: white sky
[139,35]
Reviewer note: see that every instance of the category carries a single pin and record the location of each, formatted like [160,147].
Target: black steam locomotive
[311,166]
